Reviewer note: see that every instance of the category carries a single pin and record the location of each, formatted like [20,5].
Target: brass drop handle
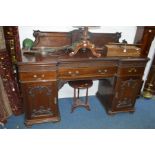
[35,76]
[132,70]
[99,71]
[135,70]
[42,75]
[76,72]
[73,74]
[102,71]
[69,72]
[39,78]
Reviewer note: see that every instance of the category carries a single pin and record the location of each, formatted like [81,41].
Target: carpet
[97,118]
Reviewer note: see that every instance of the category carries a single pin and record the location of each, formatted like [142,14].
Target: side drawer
[129,71]
[37,76]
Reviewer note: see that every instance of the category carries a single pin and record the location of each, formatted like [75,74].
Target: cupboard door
[126,92]
[40,100]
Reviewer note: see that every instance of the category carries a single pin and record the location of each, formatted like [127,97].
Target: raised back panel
[99,39]
[58,39]
[51,39]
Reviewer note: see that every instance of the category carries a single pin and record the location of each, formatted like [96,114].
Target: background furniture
[44,71]
[9,55]
[5,109]
[11,35]
[10,83]
[145,36]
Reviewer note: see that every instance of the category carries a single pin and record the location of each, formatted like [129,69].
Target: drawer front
[129,71]
[70,73]
[37,76]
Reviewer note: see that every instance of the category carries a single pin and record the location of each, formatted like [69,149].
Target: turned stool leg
[74,101]
[86,102]
[78,93]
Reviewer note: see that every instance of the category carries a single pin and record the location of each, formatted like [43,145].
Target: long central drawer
[85,72]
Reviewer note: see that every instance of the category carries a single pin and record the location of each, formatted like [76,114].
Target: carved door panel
[40,100]
[126,91]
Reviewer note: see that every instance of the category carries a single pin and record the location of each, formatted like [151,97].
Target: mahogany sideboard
[43,73]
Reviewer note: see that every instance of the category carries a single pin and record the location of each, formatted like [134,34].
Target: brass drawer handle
[69,72]
[77,72]
[35,76]
[102,71]
[132,70]
[73,73]
[99,71]
[39,78]
[42,75]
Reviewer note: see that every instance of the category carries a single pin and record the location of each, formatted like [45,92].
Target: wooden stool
[77,85]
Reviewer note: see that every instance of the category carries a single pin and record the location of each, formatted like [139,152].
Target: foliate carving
[126,102]
[41,111]
[39,108]
[39,89]
[129,83]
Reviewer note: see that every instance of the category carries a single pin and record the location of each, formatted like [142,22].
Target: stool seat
[77,85]
[81,84]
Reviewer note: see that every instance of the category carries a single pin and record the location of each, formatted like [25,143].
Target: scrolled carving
[39,89]
[129,83]
[124,103]
[118,36]
[125,100]
[41,111]
[36,35]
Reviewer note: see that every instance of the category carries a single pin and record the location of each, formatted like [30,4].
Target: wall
[128,33]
